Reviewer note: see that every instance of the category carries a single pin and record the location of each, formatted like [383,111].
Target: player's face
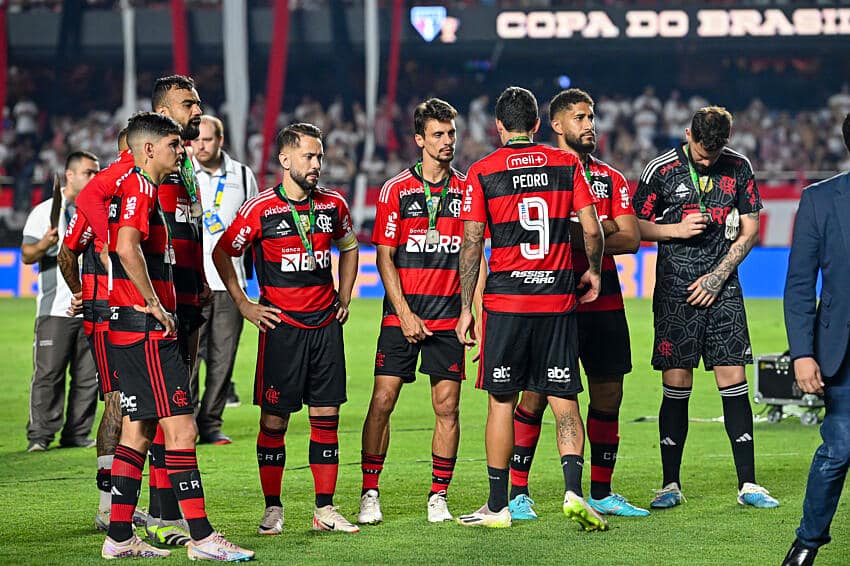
[439,140]
[207,146]
[577,125]
[165,155]
[304,162]
[78,175]
[184,106]
[701,157]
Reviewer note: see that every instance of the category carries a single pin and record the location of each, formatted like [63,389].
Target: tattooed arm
[706,288]
[469,266]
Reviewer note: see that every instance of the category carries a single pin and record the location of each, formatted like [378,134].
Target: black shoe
[218,438]
[800,555]
[37,446]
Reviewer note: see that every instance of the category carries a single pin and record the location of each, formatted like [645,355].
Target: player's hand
[261,316]
[156,310]
[412,327]
[50,238]
[465,325]
[592,282]
[705,289]
[205,297]
[808,376]
[479,331]
[76,304]
[342,313]
[691,225]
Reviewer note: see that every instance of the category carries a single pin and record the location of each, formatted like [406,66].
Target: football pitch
[48,500]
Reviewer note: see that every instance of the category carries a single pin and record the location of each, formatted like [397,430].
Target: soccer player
[603,343]
[418,232]
[152,374]
[523,194]
[700,202]
[300,358]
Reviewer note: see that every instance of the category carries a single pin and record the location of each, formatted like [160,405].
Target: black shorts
[718,334]
[300,366]
[533,353]
[443,356]
[603,344]
[153,379]
[101,350]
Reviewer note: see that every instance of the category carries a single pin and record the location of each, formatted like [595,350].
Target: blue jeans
[830,463]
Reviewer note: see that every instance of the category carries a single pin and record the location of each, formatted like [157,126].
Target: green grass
[47,501]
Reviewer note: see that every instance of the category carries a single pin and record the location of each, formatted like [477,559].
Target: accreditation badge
[212,222]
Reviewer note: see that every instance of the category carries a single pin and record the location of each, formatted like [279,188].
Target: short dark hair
[432,109]
[565,99]
[150,125]
[290,136]
[164,84]
[845,129]
[122,137]
[516,109]
[711,126]
[76,156]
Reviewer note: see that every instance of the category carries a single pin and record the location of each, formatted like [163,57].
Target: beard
[580,146]
[302,181]
[193,129]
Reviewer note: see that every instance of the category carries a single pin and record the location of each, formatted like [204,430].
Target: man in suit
[818,338]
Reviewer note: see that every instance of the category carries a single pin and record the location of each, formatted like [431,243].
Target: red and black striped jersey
[428,272]
[135,205]
[525,194]
[185,230]
[93,201]
[306,297]
[612,191]
[79,238]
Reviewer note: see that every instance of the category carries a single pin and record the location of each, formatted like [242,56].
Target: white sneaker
[370,508]
[216,547]
[328,518]
[272,523]
[133,547]
[438,508]
[486,518]
[101,520]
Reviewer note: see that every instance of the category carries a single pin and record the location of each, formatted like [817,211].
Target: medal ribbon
[695,179]
[518,139]
[433,207]
[302,232]
[187,174]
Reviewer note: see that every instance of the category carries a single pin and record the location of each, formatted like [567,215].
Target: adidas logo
[681,191]
[283,226]
[667,441]
[454,367]
[414,208]
[115,491]
[744,438]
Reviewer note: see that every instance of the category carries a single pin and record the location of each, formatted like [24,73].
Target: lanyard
[187,173]
[302,230]
[219,191]
[696,181]
[518,139]
[433,201]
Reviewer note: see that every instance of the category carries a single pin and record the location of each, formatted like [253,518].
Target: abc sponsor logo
[128,403]
[501,374]
[558,375]
[529,159]
[447,244]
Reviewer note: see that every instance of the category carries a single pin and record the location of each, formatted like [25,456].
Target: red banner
[179,37]
[275,79]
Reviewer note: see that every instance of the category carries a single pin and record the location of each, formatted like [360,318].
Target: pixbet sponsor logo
[529,159]
[447,244]
[534,277]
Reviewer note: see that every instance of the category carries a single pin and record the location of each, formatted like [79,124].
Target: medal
[733,222]
[311,263]
[196,210]
[432,237]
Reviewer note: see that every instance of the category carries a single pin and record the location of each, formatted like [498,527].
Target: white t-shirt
[54,296]
[239,185]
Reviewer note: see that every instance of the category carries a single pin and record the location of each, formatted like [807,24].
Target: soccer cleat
[370,508]
[486,518]
[328,518]
[134,547]
[216,547]
[616,504]
[668,496]
[755,495]
[101,520]
[522,508]
[140,517]
[272,523]
[170,533]
[577,509]
[438,508]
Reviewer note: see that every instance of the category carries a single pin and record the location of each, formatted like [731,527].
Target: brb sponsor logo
[501,374]
[241,238]
[392,225]
[534,277]
[447,244]
[130,208]
[298,261]
[558,375]
[128,403]
[529,159]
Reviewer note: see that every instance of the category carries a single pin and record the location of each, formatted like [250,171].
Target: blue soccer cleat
[756,496]
[521,508]
[616,504]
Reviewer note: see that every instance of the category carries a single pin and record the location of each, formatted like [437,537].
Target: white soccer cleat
[577,509]
[101,520]
[370,508]
[438,508]
[328,518]
[486,518]
[216,547]
[272,523]
[134,547]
